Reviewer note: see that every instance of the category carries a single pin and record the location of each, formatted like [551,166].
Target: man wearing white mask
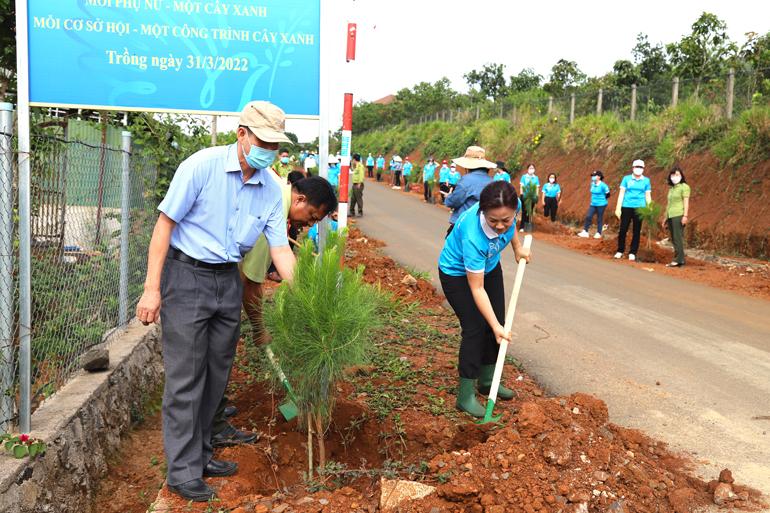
[219,202]
[635,192]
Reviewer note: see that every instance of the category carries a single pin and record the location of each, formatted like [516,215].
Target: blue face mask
[284,160]
[259,158]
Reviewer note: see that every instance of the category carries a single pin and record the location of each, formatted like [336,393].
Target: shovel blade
[288,410]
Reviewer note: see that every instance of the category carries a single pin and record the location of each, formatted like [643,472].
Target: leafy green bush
[747,140]
[665,153]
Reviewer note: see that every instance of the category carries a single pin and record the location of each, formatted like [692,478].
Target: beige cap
[267,121]
[474,158]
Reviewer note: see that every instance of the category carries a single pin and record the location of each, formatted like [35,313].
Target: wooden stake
[309,447]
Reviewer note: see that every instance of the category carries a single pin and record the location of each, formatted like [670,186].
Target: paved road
[605,327]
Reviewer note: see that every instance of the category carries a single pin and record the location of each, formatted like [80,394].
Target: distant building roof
[386,100]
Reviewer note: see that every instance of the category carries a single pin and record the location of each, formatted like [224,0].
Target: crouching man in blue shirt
[219,202]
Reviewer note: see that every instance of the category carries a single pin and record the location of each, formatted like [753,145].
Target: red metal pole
[347,132]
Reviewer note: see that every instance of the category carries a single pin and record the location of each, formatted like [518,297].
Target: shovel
[488,417]
[287,408]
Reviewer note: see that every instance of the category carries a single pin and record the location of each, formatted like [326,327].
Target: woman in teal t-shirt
[472,280]
[635,192]
[600,192]
[551,197]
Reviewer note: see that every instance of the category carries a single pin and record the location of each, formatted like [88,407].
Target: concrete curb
[82,425]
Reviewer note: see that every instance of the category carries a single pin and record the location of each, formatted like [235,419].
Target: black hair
[295,176]
[599,174]
[501,165]
[674,170]
[555,178]
[357,157]
[498,194]
[283,150]
[318,191]
[530,165]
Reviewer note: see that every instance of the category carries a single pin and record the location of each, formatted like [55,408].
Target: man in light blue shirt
[468,189]
[428,177]
[454,177]
[370,166]
[380,166]
[407,173]
[218,204]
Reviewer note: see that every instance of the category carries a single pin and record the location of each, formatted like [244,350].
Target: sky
[403,42]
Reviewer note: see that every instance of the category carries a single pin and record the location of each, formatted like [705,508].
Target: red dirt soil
[547,454]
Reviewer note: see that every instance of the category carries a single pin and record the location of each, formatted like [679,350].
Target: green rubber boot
[466,398]
[485,383]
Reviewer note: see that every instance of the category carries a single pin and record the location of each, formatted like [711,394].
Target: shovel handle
[503,350]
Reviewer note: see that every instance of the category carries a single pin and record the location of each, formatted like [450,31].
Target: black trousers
[357,198]
[379,175]
[676,228]
[524,215]
[427,192]
[370,172]
[397,178]
[628,216]
[478,345]
[550,208]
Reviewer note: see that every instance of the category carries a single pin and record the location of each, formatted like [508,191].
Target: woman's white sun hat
[474,158]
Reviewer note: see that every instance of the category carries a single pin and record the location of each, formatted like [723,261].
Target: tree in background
[625,74]
[565,75]
[7,50]
[490,80]
[704,52]
[650,59]
[755,54]
[526,80]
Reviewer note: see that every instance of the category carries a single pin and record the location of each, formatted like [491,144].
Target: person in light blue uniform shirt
[472,280]
[219,202]
[551,197]
[370,166]
[333,173]
[600,192]
[312,233]
[502,173]
[454,177]
[380,162]
[428,177]
[635,192]
[469,188]
[526,179]
[406,172]
[443,180]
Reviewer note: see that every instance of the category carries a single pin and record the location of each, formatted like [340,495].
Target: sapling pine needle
[322,324]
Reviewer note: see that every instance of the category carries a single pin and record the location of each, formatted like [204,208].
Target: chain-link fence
[729,93]
[92,212]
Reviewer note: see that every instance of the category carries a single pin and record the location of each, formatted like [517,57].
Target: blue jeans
[599,211]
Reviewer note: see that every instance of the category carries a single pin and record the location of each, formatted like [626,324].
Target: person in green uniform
[677,212]
[283,166]
[357,193]
[304,203]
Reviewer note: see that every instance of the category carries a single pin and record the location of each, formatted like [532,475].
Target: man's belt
[187,259]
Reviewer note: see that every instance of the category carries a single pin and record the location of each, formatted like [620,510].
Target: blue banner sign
[209,57]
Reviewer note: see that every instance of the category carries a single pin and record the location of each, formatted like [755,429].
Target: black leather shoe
[220,468]
[231,436]
[230,411]
[196,490]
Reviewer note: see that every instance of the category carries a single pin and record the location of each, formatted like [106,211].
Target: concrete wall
[82,425]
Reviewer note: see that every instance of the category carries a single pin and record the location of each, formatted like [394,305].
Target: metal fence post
[675,92]
[125,224]
[633,102]
[599,103]
[7,312]
[730,93]
[571,108]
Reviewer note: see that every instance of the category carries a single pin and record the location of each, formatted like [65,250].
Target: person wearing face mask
[635,192]
[396,165]
[428,177]
[219,202]
[283,166]
[310,163]
[551,197]
[528,178]
[600,192]
[443,180]
[454,178]
[677,212]
[472,280]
